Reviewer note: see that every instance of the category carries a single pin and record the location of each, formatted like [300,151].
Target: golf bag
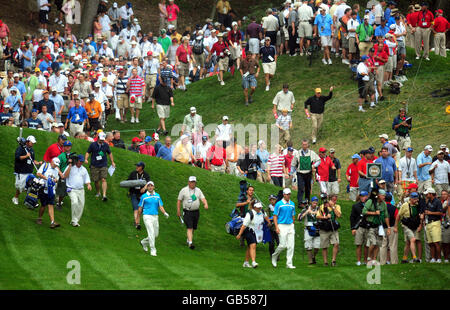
[32,186]
[242,196]
[233,226]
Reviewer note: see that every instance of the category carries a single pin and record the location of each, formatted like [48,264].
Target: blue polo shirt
[267,51]
[165,153]
[150,203]
[14,103]
[34,123]
[323,24]
[388,168]
[381,31]
[284,211]
[58,102]
[74,112]
[21,87]
[4,117]
[98,154]
[422,173]
[43,66]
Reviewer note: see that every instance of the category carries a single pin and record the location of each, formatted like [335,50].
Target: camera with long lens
[22,142]
[73,157]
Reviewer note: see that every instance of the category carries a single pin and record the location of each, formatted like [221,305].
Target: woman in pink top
[172,13]
[97,28]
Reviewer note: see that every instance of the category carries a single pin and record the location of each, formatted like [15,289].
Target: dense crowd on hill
[57,82]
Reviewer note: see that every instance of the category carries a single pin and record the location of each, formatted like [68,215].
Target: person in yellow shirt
[183,151]
[223,13]
[94,112]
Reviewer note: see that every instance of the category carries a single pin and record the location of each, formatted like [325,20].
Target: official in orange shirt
[440,28]
[94,112]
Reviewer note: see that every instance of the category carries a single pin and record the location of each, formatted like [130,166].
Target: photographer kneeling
[50,173]
[76,176]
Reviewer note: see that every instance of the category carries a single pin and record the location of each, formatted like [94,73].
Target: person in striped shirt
[276,166]
[122,95]
[136,89]
[284,123]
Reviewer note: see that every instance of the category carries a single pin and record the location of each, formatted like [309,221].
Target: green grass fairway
[107,244]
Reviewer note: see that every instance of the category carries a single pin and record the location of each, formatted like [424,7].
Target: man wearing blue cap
[376,214]
[312,237]
[135,193]
[360,227]
[409,216]
[61,187]
[352,176]
[34,122]
[76,177]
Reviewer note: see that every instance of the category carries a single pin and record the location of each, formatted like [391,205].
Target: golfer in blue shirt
[283,218]
[148,206]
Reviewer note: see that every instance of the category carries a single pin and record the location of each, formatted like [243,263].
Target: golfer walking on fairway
[148,205]
[191,196]
[283,218]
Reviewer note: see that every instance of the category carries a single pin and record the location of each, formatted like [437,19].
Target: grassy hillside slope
[107,244]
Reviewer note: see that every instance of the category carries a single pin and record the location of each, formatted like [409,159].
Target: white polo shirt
[77,178]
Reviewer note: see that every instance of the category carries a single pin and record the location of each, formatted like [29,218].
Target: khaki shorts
[409,234]
[361,236]
[163,110]
[150,81]
[269,67]
[380,75]
[373,238]
[137,103]
[311,242]
[183,69]
[122,101]
[423,185]
[389,66]
[304,29]
[200,60]
[223,64]
[97,174]
[445,235]
[434,232]
[327,238]
[352,45]
[220,169]
[353,193]
[333,188]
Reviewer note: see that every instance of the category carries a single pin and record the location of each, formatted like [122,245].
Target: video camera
[73,158]
[22,142]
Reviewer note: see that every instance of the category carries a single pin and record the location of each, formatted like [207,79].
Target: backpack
[395,88]
[234,226]
[198,47]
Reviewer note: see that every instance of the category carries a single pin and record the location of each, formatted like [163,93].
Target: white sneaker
[254,264]
[324,61]
[246,265]
[432,261]
[137,120]
[438,261]
[290,266]
[373,105]
[301,54]
[15,200]
[345,61]
[446,261]
[337,55]
[222,83]
[329,61]
[417,57]
[314,141]
[153,252]
[132,120]
[274,261]
[267,88]
[145,247]
[388,263]
[361,110]
[427,59]
[218,77]
[358,263]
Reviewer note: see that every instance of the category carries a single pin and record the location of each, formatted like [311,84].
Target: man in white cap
[224,131]
[50,173]
[60,81]
[283,218]
[424,162]
[23,165]
[190,197]
[191,122]
[99,163]
[149,204]
[135,50]
[440,173]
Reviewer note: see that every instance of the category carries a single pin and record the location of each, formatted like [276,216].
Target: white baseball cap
[429,148]
[56,161]
[193,109]
[75,92]
[97,84]
[54,88]
[286,191]
[429,190]
[150,183]
[102,136]
[192,179]
[258,205]
[225,118]
[384,136]
[32,139]
[115,5]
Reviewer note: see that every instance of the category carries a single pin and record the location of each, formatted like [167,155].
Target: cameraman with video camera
[312,236]
[327,214]
[23,164]
[375,210]
[359,226]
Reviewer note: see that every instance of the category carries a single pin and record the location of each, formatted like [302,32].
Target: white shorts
[253,45]
[325,40]
[311,242]
[269,67]
[21,180]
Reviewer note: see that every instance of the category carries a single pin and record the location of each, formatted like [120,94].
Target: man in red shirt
[411,21]
[217,156]
[235,38]
[136,89]
[220,48]
[147,148]
[380,57]
[183,58]
[4,31]
[323,170]
[423,30]
[440,28]
[287,163]
[353,177]
[364,183]
[55,149]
